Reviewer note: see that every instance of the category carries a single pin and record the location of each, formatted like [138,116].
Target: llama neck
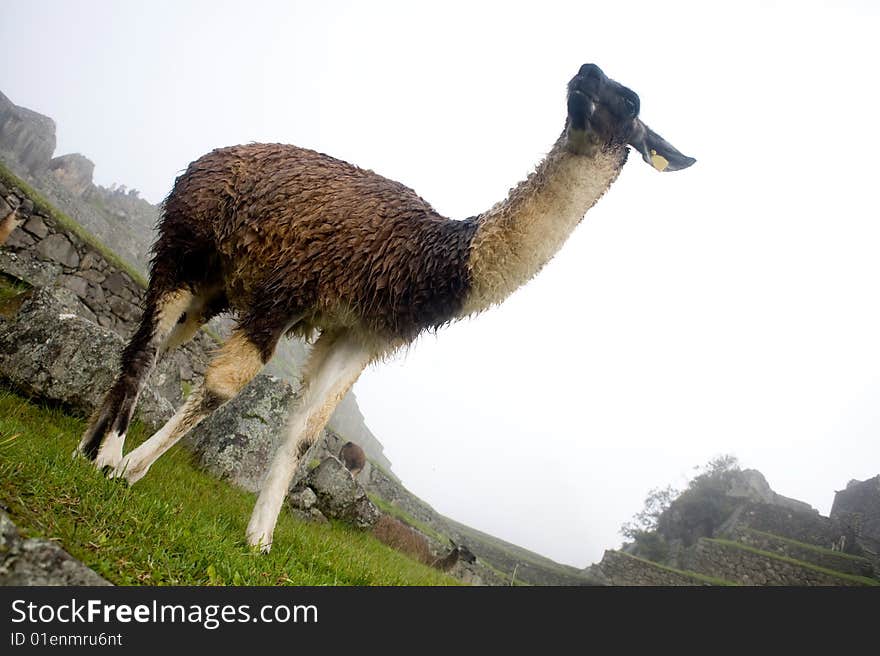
[518,236]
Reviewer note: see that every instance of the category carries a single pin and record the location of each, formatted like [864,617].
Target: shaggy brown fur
[297,240]
[353,457]
[458,552]
[7,225]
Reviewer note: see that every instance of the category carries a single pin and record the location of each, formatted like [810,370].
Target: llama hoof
[128,472]
[106,462]
[260,543]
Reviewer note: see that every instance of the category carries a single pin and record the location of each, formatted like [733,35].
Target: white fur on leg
[137,463]
[333,377]
[110,452]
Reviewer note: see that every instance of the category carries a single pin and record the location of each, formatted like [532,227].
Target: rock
[750,484]
[73,172]
[36,226]
[184,367]
[20,240]
[57,247]
[91,275]
[31,136]
[303,498]
[75,284]
[39,562]
[5,209]
[338,495]
[115,283]
[123,309]
[237,442]
[50,353]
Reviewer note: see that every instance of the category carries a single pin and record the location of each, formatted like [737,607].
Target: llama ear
[656,151]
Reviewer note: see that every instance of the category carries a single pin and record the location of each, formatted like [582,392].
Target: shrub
[397,535]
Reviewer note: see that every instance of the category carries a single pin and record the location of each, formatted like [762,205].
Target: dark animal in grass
[353,457]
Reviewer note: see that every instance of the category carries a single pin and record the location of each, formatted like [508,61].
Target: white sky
[729,308]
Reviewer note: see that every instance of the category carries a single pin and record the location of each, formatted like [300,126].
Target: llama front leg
[237,362]
[103,440]
[334,366]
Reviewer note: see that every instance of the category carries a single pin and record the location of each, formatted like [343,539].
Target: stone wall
[830,560]
[619,568]
[859,505]
[746,567]
[44,253]
[808,527]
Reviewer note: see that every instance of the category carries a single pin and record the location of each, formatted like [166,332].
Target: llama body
[297,242]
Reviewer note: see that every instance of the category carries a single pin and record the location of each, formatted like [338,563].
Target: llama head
[603,113]
[465,554]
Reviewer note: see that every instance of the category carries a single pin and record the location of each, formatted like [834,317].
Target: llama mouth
[655,150]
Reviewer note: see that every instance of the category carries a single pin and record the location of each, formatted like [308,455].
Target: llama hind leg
[103,440]
[333,367]
[237,362]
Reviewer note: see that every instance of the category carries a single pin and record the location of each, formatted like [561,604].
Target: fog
[727,309]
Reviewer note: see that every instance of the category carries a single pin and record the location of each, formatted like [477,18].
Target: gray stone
[92,260]
[91,274]
[19,239]
[58,248]
[123,309]
[5,209]
[303,498]
[338,495]
[39,562]
[31,136]
[184,366]
[237,442]
[50,353]
[73,172]
[75,284]
[72,303]
[95,298]
[115,283]
[36,226]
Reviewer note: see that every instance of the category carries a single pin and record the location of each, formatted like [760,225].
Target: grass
[861,580]
[711,580]
[45,207]
[178,526]
[809,547]
[10,291]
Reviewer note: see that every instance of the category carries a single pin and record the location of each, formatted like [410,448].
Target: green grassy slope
[177,526]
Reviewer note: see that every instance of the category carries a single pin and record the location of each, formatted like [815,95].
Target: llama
[7,225]
[353,457]
[298,243]
[402,537]
[458,552]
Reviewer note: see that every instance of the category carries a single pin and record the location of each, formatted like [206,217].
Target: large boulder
[48,352]
[39,562]
[73,172]
[335,494]
[26,134]
[237,442]
[751,485]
